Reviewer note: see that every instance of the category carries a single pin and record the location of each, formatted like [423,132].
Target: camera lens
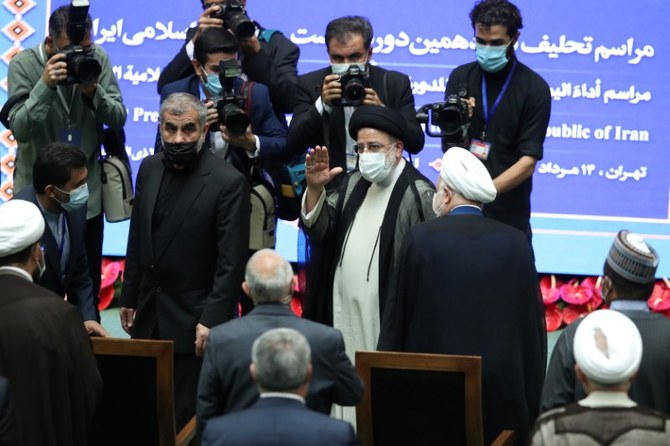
[87,69]
[235,119]
[241,26]
[354,92]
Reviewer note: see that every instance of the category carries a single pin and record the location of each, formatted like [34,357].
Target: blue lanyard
[488,116]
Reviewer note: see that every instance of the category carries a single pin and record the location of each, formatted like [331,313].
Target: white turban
[608,347]
[21,225]
[465,174]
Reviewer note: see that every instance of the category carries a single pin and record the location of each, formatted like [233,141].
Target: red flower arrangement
[659,300]
[566,302]
[110,283]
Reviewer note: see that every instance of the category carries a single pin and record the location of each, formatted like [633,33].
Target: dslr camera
[82,65]
[230,105]
[450,116]
[354,82]
[235,19]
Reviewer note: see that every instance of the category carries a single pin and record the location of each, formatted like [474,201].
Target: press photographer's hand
[371,98]
[331,90]
[470,102]
[205,21]
[55,70]
[247,140]
[212,114]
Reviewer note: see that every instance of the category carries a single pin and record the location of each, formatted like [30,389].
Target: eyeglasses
[372,147]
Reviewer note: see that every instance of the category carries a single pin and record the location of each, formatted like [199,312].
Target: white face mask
[375,167]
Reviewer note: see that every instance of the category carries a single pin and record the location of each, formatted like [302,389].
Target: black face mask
[181,153]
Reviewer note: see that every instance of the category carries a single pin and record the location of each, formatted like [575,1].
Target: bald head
[268,278]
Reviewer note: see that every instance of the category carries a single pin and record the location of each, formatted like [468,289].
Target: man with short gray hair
[225,387]
[186,245]
[282,370]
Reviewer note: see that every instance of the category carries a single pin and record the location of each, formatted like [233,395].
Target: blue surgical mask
[213,84]
[78,198]
[491,58]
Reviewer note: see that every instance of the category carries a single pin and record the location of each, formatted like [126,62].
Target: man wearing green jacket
[47,111]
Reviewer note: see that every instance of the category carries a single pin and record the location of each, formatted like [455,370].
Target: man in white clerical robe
[354,232]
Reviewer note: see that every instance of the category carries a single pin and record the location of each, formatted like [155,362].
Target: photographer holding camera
[267,56]
[263,139]
[326,98]
[64,90]
[511,111]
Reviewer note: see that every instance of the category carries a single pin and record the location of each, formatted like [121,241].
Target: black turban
[380,118]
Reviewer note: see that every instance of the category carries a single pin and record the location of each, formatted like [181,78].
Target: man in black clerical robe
[467,285]
[45,352]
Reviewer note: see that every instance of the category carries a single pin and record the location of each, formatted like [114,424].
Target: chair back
[416,398]
[138,403]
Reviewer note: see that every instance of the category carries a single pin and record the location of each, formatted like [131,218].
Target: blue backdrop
[605,166]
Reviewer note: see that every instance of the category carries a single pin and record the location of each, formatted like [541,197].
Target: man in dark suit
[268,57]
[282,370]
[467,285]
[45,352]
[225,386]
[264,141]
[318,117]
[186,245]
[60,192]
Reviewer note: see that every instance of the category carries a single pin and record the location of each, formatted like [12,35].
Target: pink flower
[660,298]
[576,294]
[573,312]
[549,287]
[553,317]
[111,270]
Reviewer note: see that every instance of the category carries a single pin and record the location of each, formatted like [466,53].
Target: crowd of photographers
[227,163]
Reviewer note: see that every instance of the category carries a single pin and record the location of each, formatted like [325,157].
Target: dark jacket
[226,385]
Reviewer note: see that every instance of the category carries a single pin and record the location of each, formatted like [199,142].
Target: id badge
[480,149]
[70,135]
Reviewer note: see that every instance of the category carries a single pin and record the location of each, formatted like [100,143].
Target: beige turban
[608,347]
[465,174]
[21,225]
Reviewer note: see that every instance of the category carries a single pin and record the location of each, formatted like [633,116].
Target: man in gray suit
[225,383]
[281,368]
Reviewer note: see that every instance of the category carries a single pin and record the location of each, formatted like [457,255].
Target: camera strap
[66,106]
[246,97]
[488,115]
